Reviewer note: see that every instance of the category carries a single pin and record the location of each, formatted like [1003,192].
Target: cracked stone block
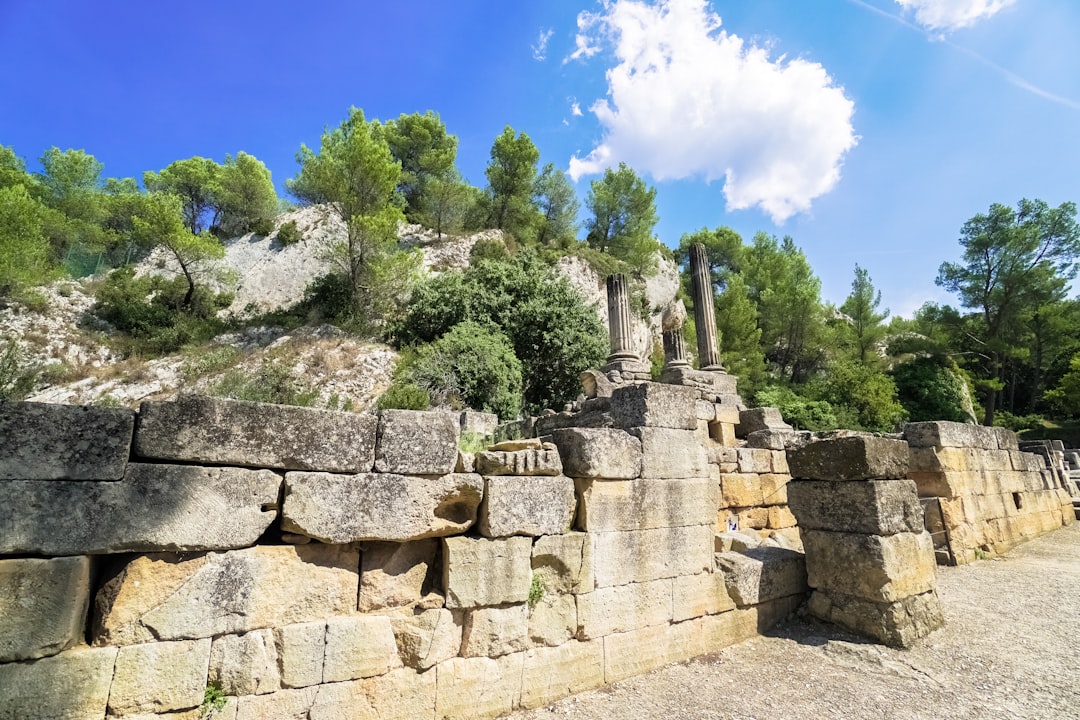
[43,441]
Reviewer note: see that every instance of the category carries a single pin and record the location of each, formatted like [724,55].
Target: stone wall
[981,494]
[322,565]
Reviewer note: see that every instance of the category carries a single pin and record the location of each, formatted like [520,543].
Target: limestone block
[471,688]
[203,429]
[282,705]
[740,490]
[950,434]
[898,624]
[622,608]
[427,637]
[754,460]
[644,504]
[359,646]
[1006,439]
[466,462]
[598,453]
[704,411]
[943,459]
[668,453]
[553,619]
[549,674]
[637,652]
[481,572]
[723,433]
[875,507]
[155,507]
[946,484]
[698,595]
[881,569]
[159,677]
[733,541]
[379,506]
[643,555]
[774,488]
[781,517]
[727,414]
[495,631]
[752,518]
[780,463]
[755,419]
[761,574]
[563,563]
[478,423]
[714,632]
[654,405]
[395,574]
[414,442]
[399,695]
[522,505]
[300,649]
[176,597]
[245,664]
[42,606]
[519,462]
[43,441]
[855,457]
[789,538]
[73,685]
[768,439]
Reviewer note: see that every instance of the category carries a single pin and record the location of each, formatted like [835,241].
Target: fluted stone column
[704,314]
[675,349]
[618,305]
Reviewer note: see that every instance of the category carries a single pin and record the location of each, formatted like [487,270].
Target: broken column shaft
[618,303]
[704,314]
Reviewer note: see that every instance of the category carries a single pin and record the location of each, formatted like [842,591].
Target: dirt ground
[1010,649]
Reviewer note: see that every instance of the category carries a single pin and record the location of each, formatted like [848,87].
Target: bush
[17,379]
[1017,423]
[863,398]
[489,248]
[404,396]
[470,366]
[272,383]
[929,388]
[801,412]
[289,233]
[263,226]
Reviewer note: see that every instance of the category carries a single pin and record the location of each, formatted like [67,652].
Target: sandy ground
[1010,649]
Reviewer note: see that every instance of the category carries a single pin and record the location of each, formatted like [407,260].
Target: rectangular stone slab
[154,508]
[880,569]
[643,555]
[875,507]
[234,432]
[524,505]
[598,453]
[479,572]
[941,433]
[655,405]
[855,457]
[73,685]
[42,605]
[42,441]
[645,504]
[414,442]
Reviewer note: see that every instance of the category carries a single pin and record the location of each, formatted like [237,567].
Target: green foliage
[623,217]
[554,334]
[214,700]
[929,388]
[271,383]
[537,588]
[511,177]
[868,395]
[196,181]
[473,442]
[470,366]
[489,249]
[426,153]
[866,322]
[1018,423]
[800,411]
[1066,396]
[444,203]
[558,205]
[289,233]
[740,337]
[246,199]
[404,396]
[13,169]
[209,361]
[262,227]
[24,249]
[723,247]
[17,378]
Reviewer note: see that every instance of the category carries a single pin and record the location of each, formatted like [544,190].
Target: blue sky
[868,130]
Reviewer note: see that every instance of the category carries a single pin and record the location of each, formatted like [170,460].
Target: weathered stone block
[532,506]
[245,664]
[495,631]
[670,453]
[159,677]
[654,405]
[478,687]
[519,462]
[282,705]
[723,433]
[754,460]
[948,484]
[175,597]
[395,574]
[155,507]
[876,507]
[359,646]
[644,504]
[704,411]
[481,572]
[781,517]
[761,574]
[376,506]
[740,490]
[637,652]
[763,418]
[300,650]
[598,453]
[898,623]
[427,637]
[413,442]
[219,431]
[774,488]
[950,434]
[563,563]
[733,541]
[549,674]
[855,457]
[698,595]
[623,608]
[943,459]
[881,569]
[643,555]
[43,441]
[553,619]
[73,685]
[398,695]
[42,606]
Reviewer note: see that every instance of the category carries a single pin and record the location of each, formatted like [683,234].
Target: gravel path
[1010,649]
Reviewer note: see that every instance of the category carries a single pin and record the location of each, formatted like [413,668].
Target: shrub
[930,389]
[263,226]
[404,396]
[17,378]
[801,412]
[863,398]
[289,233]
[272,383]
[489,248]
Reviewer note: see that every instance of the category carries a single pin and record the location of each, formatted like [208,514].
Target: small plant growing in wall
[536,590]
[213,701]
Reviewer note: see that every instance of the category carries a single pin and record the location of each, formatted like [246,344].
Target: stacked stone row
[982,495]
[868,558]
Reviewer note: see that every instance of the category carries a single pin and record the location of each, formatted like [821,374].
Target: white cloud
[947,15]
[687,99]
[539,50]
[575,108]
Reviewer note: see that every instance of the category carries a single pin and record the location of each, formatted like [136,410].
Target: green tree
[861,307]
[1066,396]
[24,248]
[511,175]
[558,208]
[1009,257]
[246,198]
[740,337]
[724,249]
[426,153]
[356,176]
[623,216]
[13,169]
[868,394]
[197,182]
[444,202]
[930,387]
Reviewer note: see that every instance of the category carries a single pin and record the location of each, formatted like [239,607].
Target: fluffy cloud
[687,99]
[946,15]
[539,49]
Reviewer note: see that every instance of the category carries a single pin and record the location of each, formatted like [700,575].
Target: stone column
[618,304]
[704,314]
[675,349]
